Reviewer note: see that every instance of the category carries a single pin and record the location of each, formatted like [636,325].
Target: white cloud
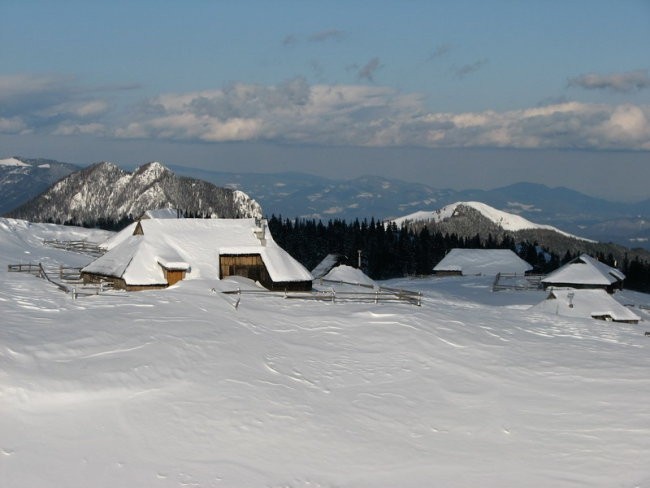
[300,113]
[51,104]
[620,82]
[364,115]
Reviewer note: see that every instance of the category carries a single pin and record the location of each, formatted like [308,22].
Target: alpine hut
[585,272]
[481,262]
[596,303]
[156,253]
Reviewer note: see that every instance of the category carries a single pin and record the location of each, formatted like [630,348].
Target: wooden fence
[83,247]
[377,295]
[65,278]
[514,281]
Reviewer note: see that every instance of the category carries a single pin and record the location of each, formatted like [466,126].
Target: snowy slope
[507,221]
[177,388]
[12,162]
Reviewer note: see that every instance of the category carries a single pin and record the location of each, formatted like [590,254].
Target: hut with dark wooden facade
[157,253]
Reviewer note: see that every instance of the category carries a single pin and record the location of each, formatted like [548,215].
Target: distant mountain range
[106,193]
[22,179]
[302,195]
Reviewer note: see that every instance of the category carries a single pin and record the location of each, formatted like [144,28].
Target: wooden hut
[156,253]
[481,262]
[585,272]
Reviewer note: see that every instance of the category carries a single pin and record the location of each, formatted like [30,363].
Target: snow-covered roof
[596,303]
[162,213]
[326,265]
[193,245]
[483,261]
[348,274]
[584,270]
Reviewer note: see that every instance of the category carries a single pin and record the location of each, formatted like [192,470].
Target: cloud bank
[302,113]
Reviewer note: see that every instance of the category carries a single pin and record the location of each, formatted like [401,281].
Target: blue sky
[451,93]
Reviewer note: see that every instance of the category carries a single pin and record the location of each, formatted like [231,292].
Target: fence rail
[67,279]
[83,247]
[381,294]
[514,281]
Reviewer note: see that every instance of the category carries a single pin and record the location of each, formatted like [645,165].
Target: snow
[12,162]
[483,261]
[177,387]
[584,270]
[507,221]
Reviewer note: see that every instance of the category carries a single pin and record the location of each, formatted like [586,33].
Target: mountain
[22,179]
[469,219]
[302,195]
[498,220]
[293,194]
[105,192]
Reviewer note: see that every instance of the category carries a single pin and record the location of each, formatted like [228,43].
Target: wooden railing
[514,281]
[83,247]
[377,295]
[69,279]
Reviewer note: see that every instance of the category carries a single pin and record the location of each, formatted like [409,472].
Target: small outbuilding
[585,272]
[481,262]
[595,303]
[157,253]
[327,264]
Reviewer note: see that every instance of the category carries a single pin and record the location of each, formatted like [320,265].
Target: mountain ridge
[105,192]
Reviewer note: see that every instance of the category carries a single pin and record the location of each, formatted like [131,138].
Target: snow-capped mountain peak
[12,162]
[506,221]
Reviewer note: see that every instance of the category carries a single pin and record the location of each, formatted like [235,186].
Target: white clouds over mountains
[302,113]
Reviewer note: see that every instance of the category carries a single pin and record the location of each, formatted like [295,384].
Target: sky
[456,94]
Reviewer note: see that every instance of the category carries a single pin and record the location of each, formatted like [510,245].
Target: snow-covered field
[176,387]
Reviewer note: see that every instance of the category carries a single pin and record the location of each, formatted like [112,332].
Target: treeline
[386,250]
[389,252]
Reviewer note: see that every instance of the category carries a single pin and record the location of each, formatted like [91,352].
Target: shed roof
[193,245]
[483,261]
[596,303]
[584,270]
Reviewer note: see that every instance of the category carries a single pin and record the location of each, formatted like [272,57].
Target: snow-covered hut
[349,275]
[156,253]
[162,213]
[481,262]
[597,304]
[585,272]
[326,265]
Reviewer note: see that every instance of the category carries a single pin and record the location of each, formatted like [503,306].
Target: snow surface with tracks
[177,387]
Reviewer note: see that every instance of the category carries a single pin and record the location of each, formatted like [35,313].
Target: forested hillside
[388,251]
